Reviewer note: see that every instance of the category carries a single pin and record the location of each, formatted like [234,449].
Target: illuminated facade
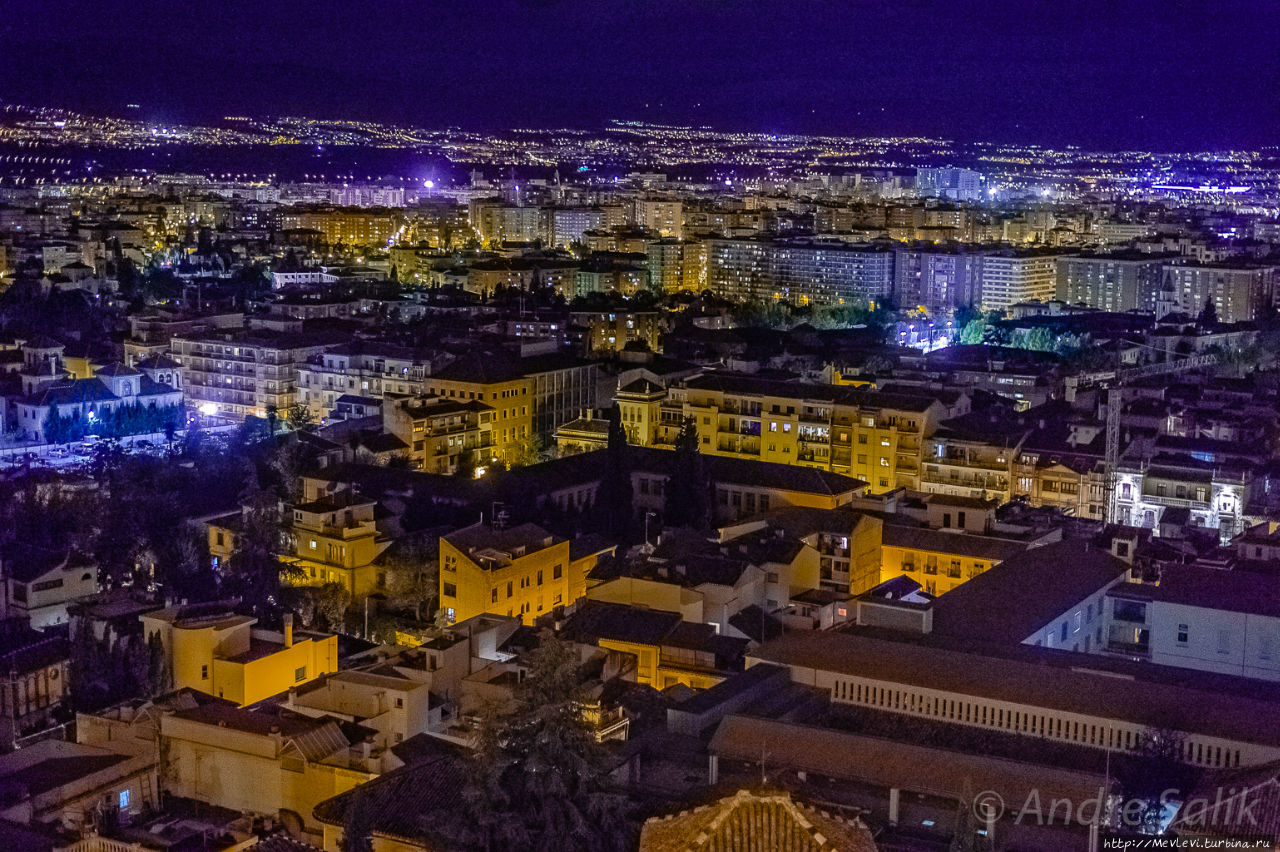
[873,436]
[802,272]
[211,649]
[1008,278]
[248,374]
[345,226]
[523,571]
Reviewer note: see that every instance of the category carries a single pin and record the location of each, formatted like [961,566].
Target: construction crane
[1114,382]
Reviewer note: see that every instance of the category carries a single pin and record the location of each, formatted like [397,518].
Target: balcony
[969,462]
[1128,649]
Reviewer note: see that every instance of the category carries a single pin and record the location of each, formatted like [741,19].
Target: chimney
[288,630]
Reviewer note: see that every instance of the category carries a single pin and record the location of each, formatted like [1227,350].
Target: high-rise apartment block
[803,272]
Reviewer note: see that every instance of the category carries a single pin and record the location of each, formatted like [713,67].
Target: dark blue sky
[1159,75]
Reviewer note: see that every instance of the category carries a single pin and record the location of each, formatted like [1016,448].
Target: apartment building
[1009,277]
[521,571]
[362,369]
[213,650]
[1214,496]
[1198,618]
[874,436]
[676,265]
[937,278]
[1113,281]
[344,225]
[333,537]
[664,215]
[802,272]
[249,373]
[440,433]
[610,332]
[1239,291]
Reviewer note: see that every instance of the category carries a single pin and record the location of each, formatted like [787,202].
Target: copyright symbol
[988,806]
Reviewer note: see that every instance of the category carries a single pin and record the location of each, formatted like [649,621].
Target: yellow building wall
[892,561]
[241,772]
[780,436]
[653,594]
[668,676]
[512,404]
[866,555]
[647,658]
[474,587]
[249,683]
[80,367]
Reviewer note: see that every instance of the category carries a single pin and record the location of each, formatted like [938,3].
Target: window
[493,596]
[510,588]
[300,674]
[449,590]
[539,576]
[1224,641]
[556,572]
[1182,634]
[204,672]
[124,799]
[954,570]
[399,703]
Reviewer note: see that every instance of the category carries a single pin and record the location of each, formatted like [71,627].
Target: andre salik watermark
[1229,809]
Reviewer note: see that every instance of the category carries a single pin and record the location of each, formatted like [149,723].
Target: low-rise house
[74,786]
[210,648]
[39,583]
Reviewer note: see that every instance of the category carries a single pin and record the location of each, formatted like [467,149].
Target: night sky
[1157,75]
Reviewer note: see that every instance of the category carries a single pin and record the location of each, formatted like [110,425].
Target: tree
[974,331]
[357,826]
[1209,315]
[1157,766]
[332,600]
[255,566]
[528,451]
[413,573]
[613,504]
[158,666]
[539,780]
[298,416]
[1041,339]
[688,489]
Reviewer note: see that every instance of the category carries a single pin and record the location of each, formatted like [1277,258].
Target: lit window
[124,799]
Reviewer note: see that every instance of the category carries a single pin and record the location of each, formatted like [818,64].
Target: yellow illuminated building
[667,650]
[523,571]
[334,539]
[511,418]
[267,761]
[874,436]
[940,560]
[213,650]
[349,226]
